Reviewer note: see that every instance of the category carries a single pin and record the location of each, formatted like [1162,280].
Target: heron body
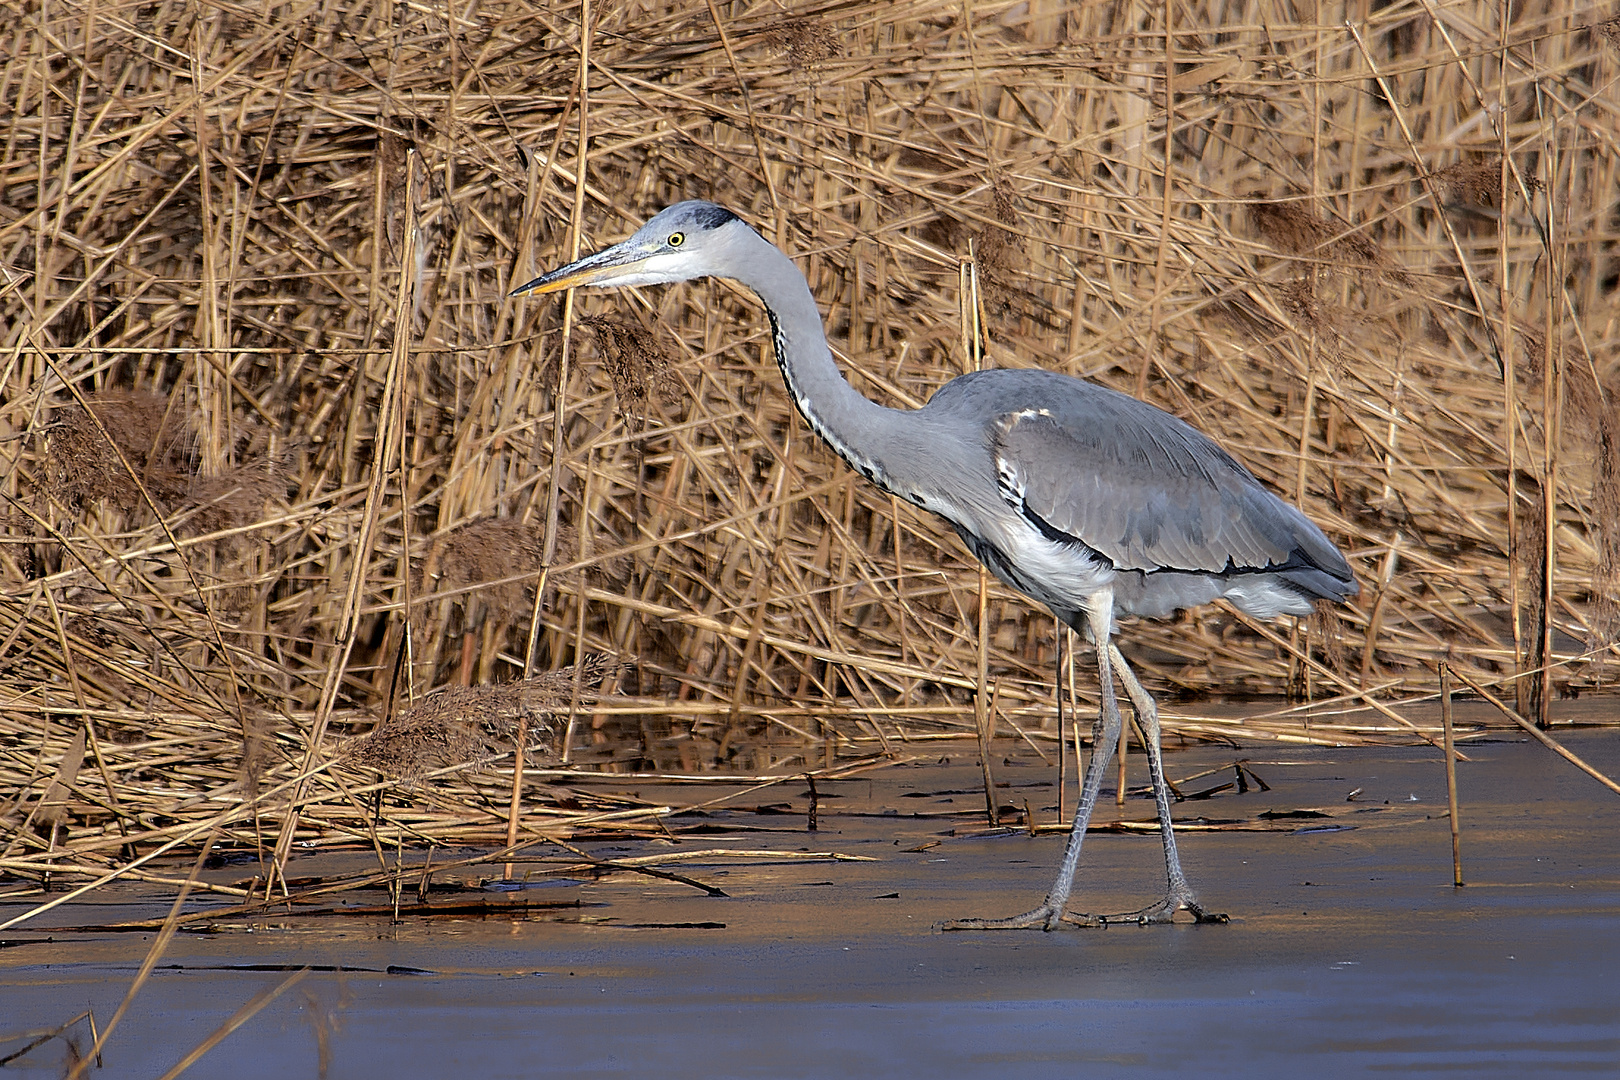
[1084,499]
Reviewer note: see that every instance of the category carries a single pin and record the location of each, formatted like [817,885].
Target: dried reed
[1379,265]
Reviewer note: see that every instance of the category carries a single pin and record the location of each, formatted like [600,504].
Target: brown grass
[642,371]
[455,725]
[203,245]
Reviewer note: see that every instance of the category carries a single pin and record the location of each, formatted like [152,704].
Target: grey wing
[1150,493]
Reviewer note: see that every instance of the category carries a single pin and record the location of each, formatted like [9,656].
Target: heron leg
[1178,893]
[1053,911]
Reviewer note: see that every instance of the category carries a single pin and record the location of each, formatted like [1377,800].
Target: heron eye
[677,239]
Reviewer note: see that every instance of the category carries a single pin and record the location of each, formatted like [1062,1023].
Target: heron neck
[857,428]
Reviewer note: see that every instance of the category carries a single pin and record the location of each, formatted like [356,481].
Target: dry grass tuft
[151,448]
[1292,229]
[1299,299]
[1475,183]
[1606,513]
[1609,30]
[487,571]
[480,552]
[806,39]
[83,466]
[493,551]
[235,499]
[641,370]
[458,725]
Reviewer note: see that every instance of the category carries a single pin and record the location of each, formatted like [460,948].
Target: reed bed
[281,459]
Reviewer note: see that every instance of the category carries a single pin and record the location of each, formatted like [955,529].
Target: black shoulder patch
[712,217]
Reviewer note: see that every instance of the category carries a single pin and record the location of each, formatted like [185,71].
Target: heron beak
[604,268]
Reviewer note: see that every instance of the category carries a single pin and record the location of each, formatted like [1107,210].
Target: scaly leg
[1178,894]
[1053,911]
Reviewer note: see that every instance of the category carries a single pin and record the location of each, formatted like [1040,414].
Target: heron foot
[1046,917]
[1162,912]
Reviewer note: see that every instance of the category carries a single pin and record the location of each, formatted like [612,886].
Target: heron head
[688,240]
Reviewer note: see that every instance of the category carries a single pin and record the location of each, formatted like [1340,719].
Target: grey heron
[1083,499]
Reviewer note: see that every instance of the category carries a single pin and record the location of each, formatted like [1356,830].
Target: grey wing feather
[1150,492]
